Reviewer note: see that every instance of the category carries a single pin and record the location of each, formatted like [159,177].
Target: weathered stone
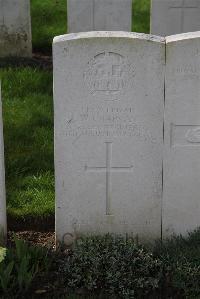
[174,16]
[181,202]
[108,99]
[96,15]
[15,28]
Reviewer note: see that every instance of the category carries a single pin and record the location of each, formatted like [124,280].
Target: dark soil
[37,60]
[44,239]
[27,223]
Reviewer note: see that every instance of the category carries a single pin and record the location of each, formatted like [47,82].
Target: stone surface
[181,202]
[3,221]
[91,15]
[15,28]
[174,16]
[108,103]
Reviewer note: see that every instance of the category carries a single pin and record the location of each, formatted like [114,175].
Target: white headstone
[174,16]
[15,28]
[3,221]
[91,15]
[181,203]
[108,99]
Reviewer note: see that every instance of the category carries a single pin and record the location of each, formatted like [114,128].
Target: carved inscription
[108,169]
[107,74]
[79,224]
[187,70]
[184,5]
[185,135]
[193,135]
[100,121]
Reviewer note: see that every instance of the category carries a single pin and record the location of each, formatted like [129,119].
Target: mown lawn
[141,16]
[49,18]
[28,114]
[28,133]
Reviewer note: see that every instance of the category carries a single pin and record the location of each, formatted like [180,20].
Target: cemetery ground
[99,267]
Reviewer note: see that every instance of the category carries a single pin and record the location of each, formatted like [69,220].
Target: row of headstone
[115,171]
[167,17]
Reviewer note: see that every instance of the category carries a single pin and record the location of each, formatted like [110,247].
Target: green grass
[28,133]
[141,16]
[28,115]
[49,19]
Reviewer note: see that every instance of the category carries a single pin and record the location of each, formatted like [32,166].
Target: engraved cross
[183,7]
[108,169]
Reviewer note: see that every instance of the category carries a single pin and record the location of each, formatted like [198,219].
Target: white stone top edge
[182,36]
[99,34]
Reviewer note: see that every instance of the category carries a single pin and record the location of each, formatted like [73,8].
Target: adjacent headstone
[174,16]
[108,100]
[96,15]
[181,202]
[3,221]
[15,28]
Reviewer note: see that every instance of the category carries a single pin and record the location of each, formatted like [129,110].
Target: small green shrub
[181,258]
[20,266]
[112,264]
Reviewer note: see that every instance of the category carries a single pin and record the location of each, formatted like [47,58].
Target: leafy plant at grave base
[181,257]
[19,267]
[2,253]
[112,264]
